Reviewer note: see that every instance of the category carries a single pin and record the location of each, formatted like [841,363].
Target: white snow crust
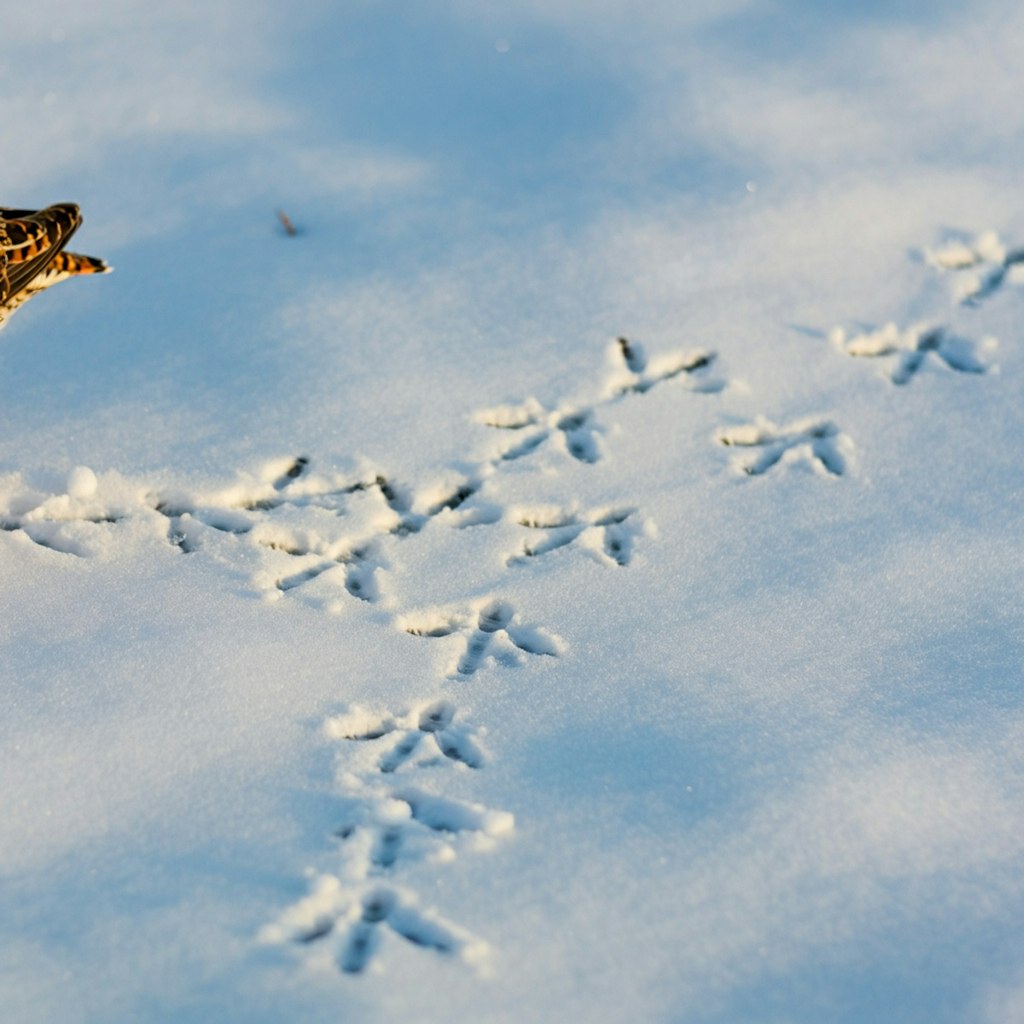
[576,576]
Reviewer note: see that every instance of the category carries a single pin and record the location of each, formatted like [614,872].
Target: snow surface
[385,640]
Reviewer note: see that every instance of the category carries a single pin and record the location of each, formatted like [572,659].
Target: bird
[32,253]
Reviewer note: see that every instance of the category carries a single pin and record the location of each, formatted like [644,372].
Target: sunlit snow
[574,572]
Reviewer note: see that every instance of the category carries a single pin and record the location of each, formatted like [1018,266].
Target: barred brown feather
[32,253]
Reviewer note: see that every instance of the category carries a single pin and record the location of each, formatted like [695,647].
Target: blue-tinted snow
[754,708]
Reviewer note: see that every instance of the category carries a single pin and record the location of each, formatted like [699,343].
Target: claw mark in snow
[911,347]
[576,427]
[641,375]
[492,634]
[432,726]
[389,820]
[386,908]
[818,442]
[357,922]
[981,266]
[608,534]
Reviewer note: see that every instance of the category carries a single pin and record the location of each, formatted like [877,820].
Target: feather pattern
[33,254]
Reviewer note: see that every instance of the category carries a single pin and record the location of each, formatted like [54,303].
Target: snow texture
[532,528]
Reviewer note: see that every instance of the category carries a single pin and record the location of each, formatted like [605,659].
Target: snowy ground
[384,641]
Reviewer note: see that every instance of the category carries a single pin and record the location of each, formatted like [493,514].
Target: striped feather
[32,254]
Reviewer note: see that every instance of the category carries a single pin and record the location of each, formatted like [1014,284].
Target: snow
[577,574]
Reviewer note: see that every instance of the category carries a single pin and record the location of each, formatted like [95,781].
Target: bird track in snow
[909,349]
[816,442]
[978,267]
[387,774]
[575,429]
[352,923]
[609,535]
[491,632]
[318,534]
[312,525]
